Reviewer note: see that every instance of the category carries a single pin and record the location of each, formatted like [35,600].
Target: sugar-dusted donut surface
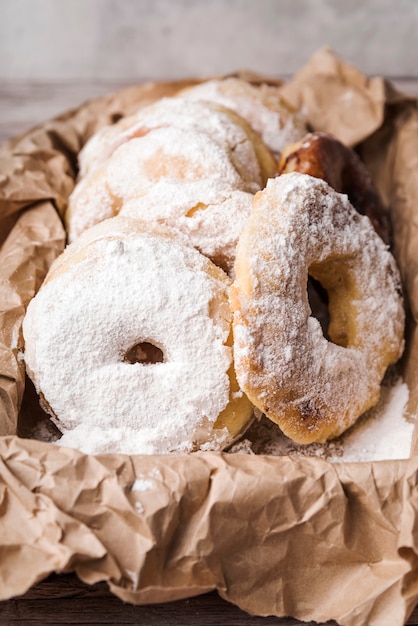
[229,130]
[190,165]
[324,156]
[128,343]
[261,106]
[314,388]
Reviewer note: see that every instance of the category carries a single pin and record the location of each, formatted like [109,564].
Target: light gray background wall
[66,40]
[54,54]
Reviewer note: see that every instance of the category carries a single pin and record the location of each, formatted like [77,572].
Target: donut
[324,156]
[209,216]
[128,343]
[313,388]
[262,106]
[221,124]
[169,176]
[199,183]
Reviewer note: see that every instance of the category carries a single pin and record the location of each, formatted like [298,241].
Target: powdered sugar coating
[191,165]
[178,177]
[262,107]
[220,125]
[210,217]
[125,287]
[313,388]
[169,154]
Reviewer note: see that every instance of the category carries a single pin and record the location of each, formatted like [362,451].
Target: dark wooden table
[65,599]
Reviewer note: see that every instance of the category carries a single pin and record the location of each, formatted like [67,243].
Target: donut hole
[145,353]
[336,278]
[318,302]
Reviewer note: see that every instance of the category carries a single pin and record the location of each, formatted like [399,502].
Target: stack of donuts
[197,229]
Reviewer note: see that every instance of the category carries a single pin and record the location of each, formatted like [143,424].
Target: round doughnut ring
[248,153]
[128,343]
[275,121]
[174,177]
[314,389]
[193,168]
[324,156]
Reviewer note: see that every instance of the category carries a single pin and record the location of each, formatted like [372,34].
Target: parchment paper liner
[274,535]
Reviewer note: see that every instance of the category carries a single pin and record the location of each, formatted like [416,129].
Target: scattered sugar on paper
[156,474]
[383,433]
[142,484]
[133,577]
[387,434]
[139,507]
[347,97]
[244,446]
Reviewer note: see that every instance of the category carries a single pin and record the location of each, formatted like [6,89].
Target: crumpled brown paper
[274,535]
